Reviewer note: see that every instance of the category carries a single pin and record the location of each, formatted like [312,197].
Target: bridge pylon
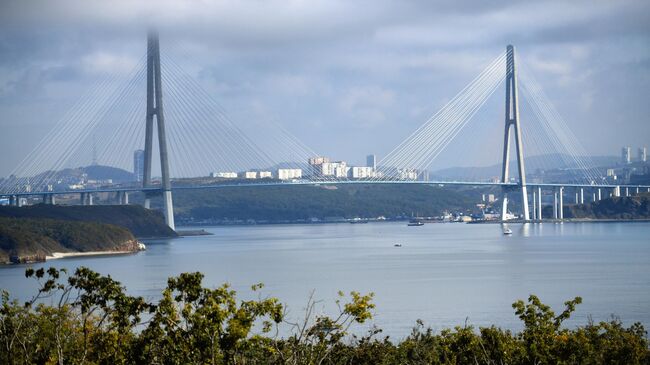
[155,108]
[512,121]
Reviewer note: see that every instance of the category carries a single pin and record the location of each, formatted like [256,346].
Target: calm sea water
[444,274]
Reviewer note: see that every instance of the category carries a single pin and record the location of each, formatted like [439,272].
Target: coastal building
[138,165]
[407,174]
[642,154]
[250,175]
[626,155]
[336,169]
[289,174]
[225,175]
[371,161]
[265,175]
[362,172]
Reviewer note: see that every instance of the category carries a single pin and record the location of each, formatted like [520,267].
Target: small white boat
[507,231]
[398,245]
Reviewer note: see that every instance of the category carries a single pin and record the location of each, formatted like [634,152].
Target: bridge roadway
[309,182]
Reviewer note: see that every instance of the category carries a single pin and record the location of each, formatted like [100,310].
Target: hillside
[27,240]
[304,202]
[141,222]
[633,207]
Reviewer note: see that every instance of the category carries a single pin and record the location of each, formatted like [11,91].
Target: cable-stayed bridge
[165,112]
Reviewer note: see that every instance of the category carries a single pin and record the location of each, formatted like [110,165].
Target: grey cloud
[302,62]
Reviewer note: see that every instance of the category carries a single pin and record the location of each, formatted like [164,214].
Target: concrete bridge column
[52,199]
[582,195]
[617,191]
[83,198]
[539,203]
[560,206]
[637,190]
[126,198]
[19,201]
[555,204]
[45,200]
[599,196]
[534,204]
[627,191]
[90,199]
[593,199]
[12,200]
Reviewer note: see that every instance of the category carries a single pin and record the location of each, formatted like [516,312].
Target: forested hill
[632,207]
[141,222]
[304,202]
[28,240]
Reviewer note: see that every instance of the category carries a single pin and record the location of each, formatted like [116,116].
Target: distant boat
[507,231]
[358,220]
[398,245]
[415,223]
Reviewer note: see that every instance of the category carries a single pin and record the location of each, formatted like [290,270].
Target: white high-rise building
[362,172]
[643,154]
[225,175]
[289,174]
[371,161]
[138,165]
[626,155]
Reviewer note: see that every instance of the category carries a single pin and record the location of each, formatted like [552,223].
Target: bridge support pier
[49,199]
[83,198]
[599,195]
[555,205]
[12,200]
[155,109]
[627,191]
[534,205]
[539,203]
[512,121]
[617,191]
[637,190]
[582,195]
[560,204]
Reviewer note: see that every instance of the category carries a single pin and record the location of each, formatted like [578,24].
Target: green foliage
[138,220]
[36,238]
[632,207]
[304,202]
[91,320]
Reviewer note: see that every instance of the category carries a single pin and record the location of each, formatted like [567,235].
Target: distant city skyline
[345,78]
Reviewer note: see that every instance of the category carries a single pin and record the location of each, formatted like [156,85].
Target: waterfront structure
[408,174]
[371,161]
[266,174]
[138,165]
[626,155]
[406,170]
[225,175]
[362,172]
[250,175]
[642,154]
[155,109]
[289,174]
[512,121]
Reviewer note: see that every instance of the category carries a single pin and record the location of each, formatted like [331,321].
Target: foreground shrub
[91,320]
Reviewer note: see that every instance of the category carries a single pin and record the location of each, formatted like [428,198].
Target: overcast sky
[346,77]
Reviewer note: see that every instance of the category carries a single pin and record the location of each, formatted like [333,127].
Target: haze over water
[442,274]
